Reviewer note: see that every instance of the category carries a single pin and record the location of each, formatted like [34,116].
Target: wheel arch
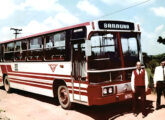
[56,84]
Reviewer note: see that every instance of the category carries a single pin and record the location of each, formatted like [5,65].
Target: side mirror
[88,49]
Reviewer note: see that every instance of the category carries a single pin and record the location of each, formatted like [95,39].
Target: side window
[24,44]
[18,46]
[36,43]
[49,41]
[9,51]
[21,50]
[10,47]
[59,40]
[35,52]
[55,46]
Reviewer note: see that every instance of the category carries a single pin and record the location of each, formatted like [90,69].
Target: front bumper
[112,99]
[95,96]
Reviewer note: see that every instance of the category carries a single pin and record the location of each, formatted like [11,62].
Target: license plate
[128,96]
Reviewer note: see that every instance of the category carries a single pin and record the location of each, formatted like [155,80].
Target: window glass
[105,52]
[9,51]
[55,46]
[49,42]
[18,46]
[130,47]
[36,52]
[56,40]
[59,40]
[36,43]
[10,47]
[24,45]
[130,50]
[20,50]
[101,45]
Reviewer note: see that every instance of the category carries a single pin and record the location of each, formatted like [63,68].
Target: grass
[2,111]
[2,117]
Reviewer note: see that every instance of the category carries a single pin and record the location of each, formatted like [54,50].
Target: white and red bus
[89,63]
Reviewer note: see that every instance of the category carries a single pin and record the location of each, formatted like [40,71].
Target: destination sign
[116,25]
[78,33]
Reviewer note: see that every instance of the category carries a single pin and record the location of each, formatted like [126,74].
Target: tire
[7,85]
[63,97]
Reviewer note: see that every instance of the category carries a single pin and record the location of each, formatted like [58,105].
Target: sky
[34,16]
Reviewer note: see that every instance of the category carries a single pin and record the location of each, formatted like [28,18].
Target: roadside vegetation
[152,61]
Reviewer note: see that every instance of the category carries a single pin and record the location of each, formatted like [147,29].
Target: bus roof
[47,32]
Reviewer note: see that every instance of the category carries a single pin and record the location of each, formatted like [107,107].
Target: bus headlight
[110,90]
[105,91]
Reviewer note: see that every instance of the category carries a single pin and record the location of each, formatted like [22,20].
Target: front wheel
[63,97]
[7,84]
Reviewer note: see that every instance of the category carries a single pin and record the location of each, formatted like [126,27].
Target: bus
[89,63]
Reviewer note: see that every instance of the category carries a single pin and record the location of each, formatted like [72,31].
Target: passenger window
[10,47]
[18,46]
[9,51]
[55,46]
[21,50]
[59,40]
[36,43]
[24,44]
[49,42]
[35,52]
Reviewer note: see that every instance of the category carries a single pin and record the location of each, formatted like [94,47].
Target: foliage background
[150,62]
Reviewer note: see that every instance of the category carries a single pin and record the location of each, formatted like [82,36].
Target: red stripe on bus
[77,88]
[34,85]
[31,81]
[77,92]
[76,81]
[43,74]
[31,76]
[9,68]
[3,68]
[83,82]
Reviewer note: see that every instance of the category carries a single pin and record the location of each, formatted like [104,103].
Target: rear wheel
[7,84]
[63,97]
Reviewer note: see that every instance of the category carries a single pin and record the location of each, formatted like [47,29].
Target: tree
[161,40]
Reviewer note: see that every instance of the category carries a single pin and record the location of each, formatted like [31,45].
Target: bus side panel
[37,77]
[37,90]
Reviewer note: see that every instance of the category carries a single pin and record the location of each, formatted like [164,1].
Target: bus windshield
[130,48]
[105,51]
[106,54]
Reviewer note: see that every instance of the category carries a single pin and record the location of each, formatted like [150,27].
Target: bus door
[78,69]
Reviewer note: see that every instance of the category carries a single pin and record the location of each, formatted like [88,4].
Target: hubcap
[64,96]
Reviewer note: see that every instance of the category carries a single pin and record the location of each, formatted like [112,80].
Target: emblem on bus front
[53,67]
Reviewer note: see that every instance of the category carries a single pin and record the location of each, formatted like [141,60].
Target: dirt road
[20,105]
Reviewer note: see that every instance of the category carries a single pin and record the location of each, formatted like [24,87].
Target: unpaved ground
[20,105]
